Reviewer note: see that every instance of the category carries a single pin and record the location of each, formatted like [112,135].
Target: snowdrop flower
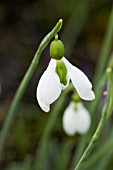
[76,118]
[57,77]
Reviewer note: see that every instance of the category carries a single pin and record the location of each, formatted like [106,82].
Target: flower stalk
[105,115]
[24,83]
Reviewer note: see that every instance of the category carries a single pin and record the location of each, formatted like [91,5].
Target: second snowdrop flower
[57,76]
[76,119]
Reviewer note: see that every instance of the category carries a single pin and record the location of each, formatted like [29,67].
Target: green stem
[92,143]
[107,109]
[92,109]
[24,83]
[105,148]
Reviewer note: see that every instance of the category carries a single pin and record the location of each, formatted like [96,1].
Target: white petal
[80,81]
[49,87]
[70,121]
[83,119]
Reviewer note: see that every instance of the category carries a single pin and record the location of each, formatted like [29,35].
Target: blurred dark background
[23,24]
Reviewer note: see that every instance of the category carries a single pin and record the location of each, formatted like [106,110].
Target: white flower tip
[86,122]
[69,132]
[90,95]
[87,95]
[69,127]
[69,120]
[93,95]
[45,108]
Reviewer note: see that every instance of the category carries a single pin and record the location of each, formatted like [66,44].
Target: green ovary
[56,49]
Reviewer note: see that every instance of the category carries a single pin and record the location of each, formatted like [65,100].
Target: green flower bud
[56,49]
[62,72]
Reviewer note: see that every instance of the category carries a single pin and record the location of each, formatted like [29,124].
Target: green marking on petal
[61,70]
[76,107]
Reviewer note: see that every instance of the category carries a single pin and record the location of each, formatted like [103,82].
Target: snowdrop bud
[76,120]
[56,49]
[62,72]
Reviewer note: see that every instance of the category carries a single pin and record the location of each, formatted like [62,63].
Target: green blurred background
[23,24]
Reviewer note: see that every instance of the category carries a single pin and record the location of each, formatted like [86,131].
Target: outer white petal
[83,119]
[49,87]
[69,120]
[80,81]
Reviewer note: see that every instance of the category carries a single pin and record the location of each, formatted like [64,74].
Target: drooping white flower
[76,120]
[50,86]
